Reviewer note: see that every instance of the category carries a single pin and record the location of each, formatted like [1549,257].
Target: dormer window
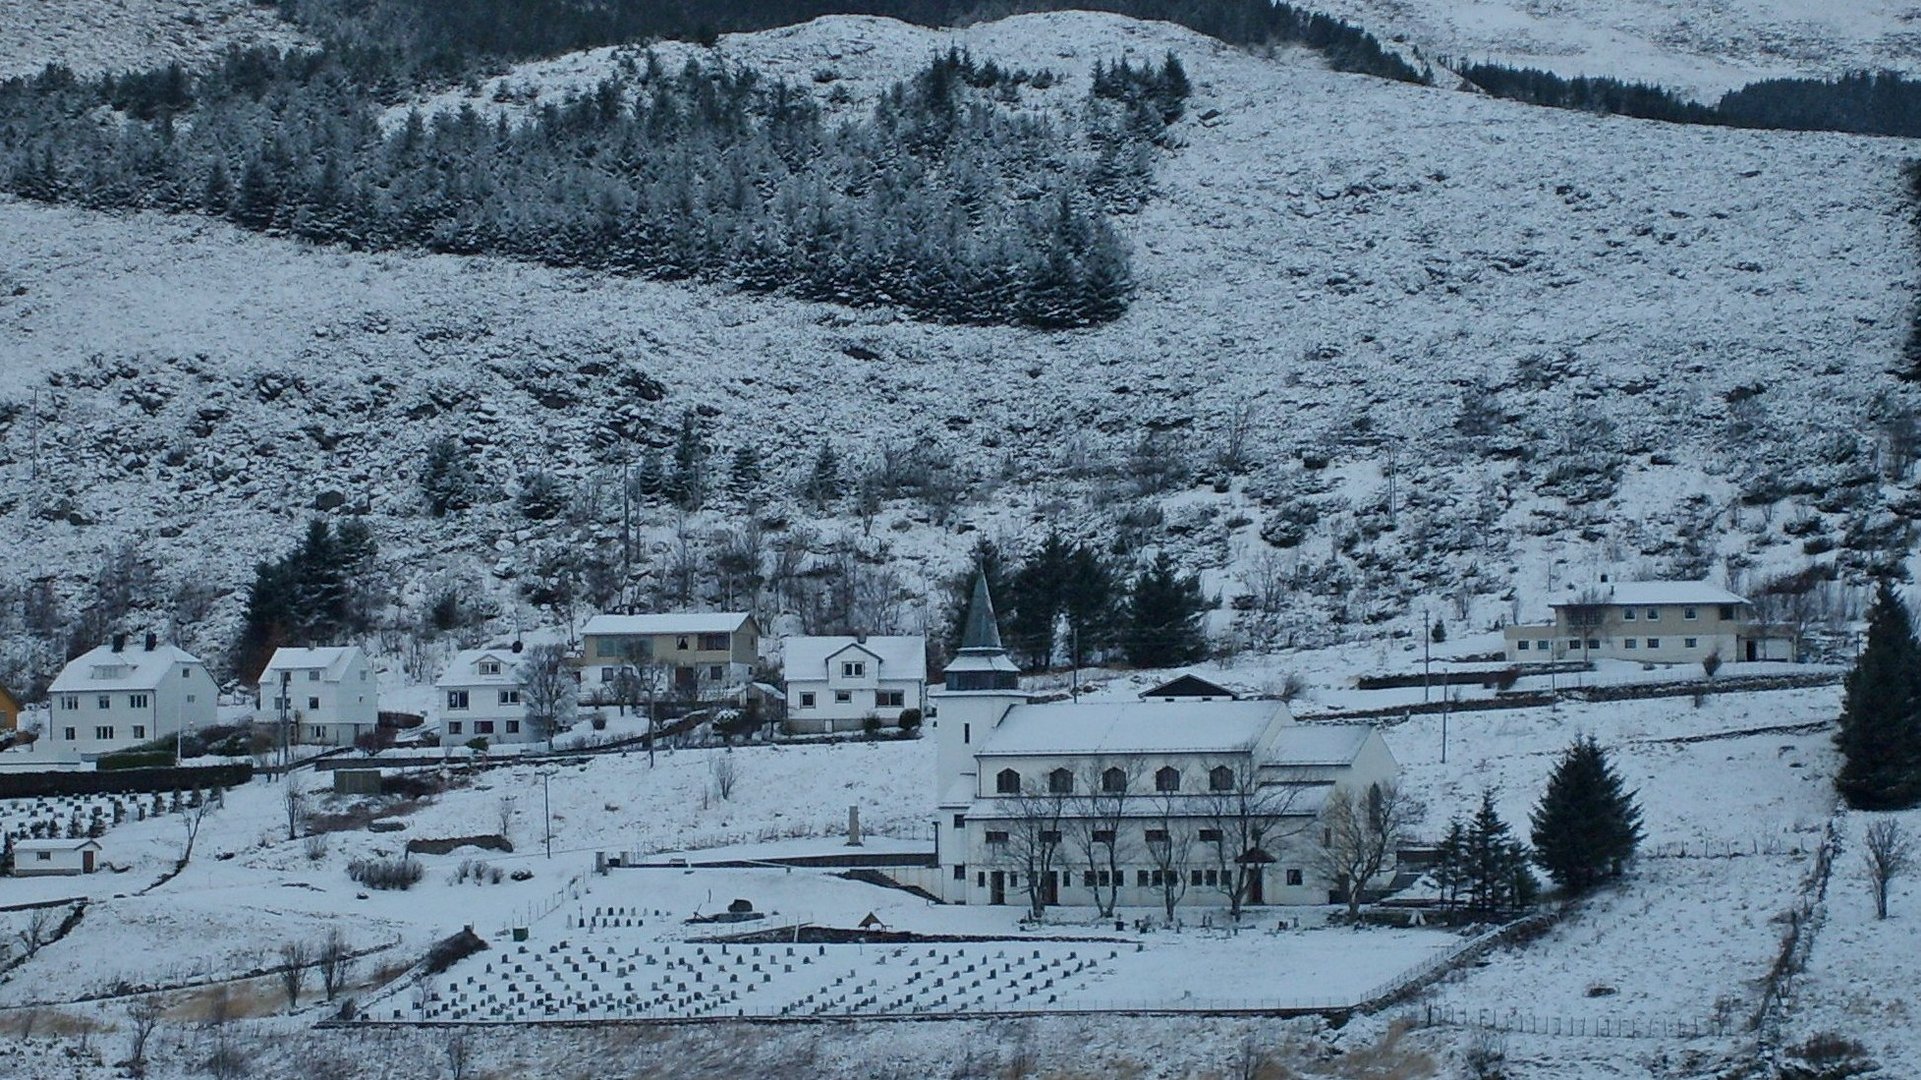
[1167,779]
[1008,782]
[1220,778]
[853,669]
[1114,781]
[313,675]
[1060,782]
[489,667]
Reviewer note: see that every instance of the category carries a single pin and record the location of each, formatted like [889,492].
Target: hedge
[39,785]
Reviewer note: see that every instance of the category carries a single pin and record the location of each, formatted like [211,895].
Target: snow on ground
[1699,48]
[92,36]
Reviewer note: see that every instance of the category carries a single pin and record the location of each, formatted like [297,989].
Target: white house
[835,683]
[1656,622]
[38,858]
[117,696]
[479,698]
[328,695]
[1193,796]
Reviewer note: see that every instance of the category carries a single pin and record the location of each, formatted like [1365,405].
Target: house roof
[464,670]
[332,660]
[1319,744]
[1188,684]
[693,622]
[899,657]
[132,668]
[1133,727]
[1636,593]
[67,844]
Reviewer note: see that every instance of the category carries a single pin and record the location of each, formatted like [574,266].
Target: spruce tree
[1880,732]
[1494,868]
[1164,616]
[1587,824]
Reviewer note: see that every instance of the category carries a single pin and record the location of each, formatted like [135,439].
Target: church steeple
[983,663]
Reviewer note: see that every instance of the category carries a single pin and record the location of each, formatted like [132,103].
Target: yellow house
[9,710]
[1656,622]
[698,654]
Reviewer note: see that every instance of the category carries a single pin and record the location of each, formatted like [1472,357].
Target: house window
[453,727]
[43,856]
[1050,836]
[843,697]
[1087,879]
[960,872]
[1627,615]
[1631,642]
[1521,645]
[681,643]
[1727,612]
[513,727]
[456,699]
[483,727]
[1220,778]
[1211,835]
[363,676]
[1197,877]
[68,734]
[489,667]
[716,672]
[807,699]
[1213,877]
[313,703]
[1167,779]
[713,643]
[853,669]
[137,701]
[1574,643]
[316,731]
[104,701]
[1654,643]
[1157,836]
[1541,644]
[1594,643]
[1007,782]
[1690,613]
[509,697]
[103,733]
[140,731]
[1293,876]
[960,821]
[1114,781]
[967,734]
[1060,782]
[313,675]
[889,699]
[1142,879]
[980,878]
[1103,836]
[1691,642]
[995,836]
[69,702]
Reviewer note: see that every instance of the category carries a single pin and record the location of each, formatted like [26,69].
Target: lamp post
[547,811]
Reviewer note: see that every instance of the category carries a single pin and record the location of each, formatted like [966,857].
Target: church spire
[982,633]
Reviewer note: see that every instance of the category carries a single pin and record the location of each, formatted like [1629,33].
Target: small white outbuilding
[36,858]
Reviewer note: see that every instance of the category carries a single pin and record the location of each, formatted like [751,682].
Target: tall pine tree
[1587,824]
[1880,736]
[1164,617]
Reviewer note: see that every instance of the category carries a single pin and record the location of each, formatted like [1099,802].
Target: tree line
[941,200]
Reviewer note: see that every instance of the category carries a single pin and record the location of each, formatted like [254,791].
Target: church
[1130,803]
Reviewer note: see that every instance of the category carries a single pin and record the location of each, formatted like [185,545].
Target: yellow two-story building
[1656,622]
[692,655]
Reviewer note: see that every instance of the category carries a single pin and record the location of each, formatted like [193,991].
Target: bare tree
[295,959]
[1246,813]
[547,690]
[725,775]
[459,1059]
[334,961]
[191,818]
[1033,840]
[1097,827]
[1170,847]
[143,1015]
[1887,853]
[1359,835]
[505,809]
[295,802]
[39,928]
[1232,457]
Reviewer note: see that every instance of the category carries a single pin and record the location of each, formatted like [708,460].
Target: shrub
[910,721]
[398,874]
[870,726]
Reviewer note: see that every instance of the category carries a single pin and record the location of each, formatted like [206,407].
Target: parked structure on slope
[836,683]
[1146,803]
[328,696]
[479,698]
[689,656]
[1657,622]
[43,858]
[116,696]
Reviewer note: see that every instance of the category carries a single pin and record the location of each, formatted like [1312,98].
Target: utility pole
[1427,651]
[547,811]
[286,698]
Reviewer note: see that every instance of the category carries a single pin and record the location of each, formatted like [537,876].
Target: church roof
[982,632]
[1133,727]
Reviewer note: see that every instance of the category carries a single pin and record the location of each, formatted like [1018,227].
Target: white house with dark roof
[1656,622]
[328,695]
[836,683]
[478,697]
[126,693]
[1123,795]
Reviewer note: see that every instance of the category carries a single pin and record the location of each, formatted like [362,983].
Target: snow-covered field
[93,36]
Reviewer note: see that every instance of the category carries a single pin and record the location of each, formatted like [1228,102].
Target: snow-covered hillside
[1697,48]
[1457,291]
[92,36]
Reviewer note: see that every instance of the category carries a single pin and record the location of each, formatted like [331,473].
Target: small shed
[1188,686]
[36,858]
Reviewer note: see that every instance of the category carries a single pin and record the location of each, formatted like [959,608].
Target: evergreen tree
[686,484]
[1880,731]
[541,497]
[448,479]
[1092,601]
[1587,824]
[1450,872]
[1494,865]
[743,472]
[318,587]
[266,624]
[1164,617]
[1039,596]
[825,485]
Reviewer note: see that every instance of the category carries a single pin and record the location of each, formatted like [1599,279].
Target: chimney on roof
[120,643]
[152,641]
[860,639]
[1604,579]
[517,646]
